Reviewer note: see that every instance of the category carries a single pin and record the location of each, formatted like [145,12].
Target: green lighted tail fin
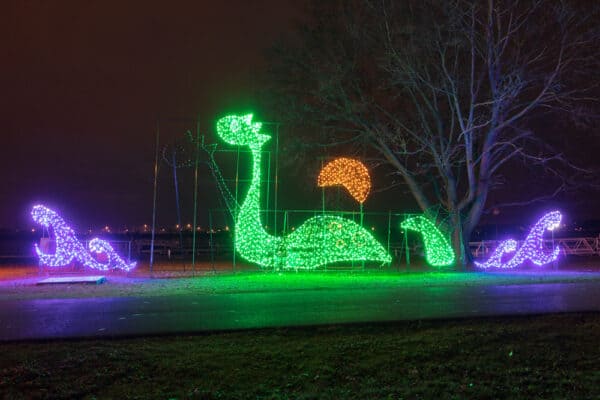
[438,252]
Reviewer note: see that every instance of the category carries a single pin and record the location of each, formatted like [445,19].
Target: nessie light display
[438,252]
[349,173]
[532,248]
[320,240]
[68,248]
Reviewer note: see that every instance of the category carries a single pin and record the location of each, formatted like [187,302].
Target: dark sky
[83,82]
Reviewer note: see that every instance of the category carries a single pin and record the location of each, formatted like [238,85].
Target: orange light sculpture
[349,173]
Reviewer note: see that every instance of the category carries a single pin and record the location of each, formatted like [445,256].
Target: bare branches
[442,91]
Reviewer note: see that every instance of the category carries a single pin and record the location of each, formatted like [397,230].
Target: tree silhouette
[441,91]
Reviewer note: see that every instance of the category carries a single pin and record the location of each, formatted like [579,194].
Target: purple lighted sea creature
[532,248]
[69,248]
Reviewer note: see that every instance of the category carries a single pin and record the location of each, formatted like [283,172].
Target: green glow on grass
[438,252]
[321,240]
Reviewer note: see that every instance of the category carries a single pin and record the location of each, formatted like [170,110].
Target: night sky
[82,86]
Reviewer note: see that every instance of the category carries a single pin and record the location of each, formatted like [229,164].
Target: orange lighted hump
[349,173]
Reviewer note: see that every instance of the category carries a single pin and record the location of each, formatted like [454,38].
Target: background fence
[214,244]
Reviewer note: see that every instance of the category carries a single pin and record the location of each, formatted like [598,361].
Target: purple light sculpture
[532,249]
[69,248]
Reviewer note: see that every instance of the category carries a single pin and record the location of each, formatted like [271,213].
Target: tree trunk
[466,237]
[458,241]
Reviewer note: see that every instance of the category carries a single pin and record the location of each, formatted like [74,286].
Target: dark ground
[542,357]
[554,356]
[295,305]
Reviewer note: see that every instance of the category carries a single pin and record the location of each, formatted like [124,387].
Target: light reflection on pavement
[126,316]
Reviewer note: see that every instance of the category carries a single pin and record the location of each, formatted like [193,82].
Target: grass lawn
[549,357]
[119,285]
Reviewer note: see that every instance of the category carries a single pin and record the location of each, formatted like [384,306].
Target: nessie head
[240,130]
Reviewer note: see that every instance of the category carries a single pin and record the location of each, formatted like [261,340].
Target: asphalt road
[124,316]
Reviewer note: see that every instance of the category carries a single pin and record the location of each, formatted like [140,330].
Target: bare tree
[441,90]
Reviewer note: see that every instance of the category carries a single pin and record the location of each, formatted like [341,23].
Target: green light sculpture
[320,240]
[438,252]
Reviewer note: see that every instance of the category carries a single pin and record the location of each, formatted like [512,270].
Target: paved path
[64,318]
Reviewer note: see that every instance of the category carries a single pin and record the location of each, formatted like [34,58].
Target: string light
[532,249]
[495,260]
[438,252]
[349,173]
[69,248]
[320,240]
[228,197]
[114,261]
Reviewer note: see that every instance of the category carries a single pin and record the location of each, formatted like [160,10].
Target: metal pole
[555,264]
[195,196]
[323,213]
[176,187]
[237,177]
[406,246]
[210,240]
[155,197]
[361,225]
[389,231]
[276,177]
[267,208]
